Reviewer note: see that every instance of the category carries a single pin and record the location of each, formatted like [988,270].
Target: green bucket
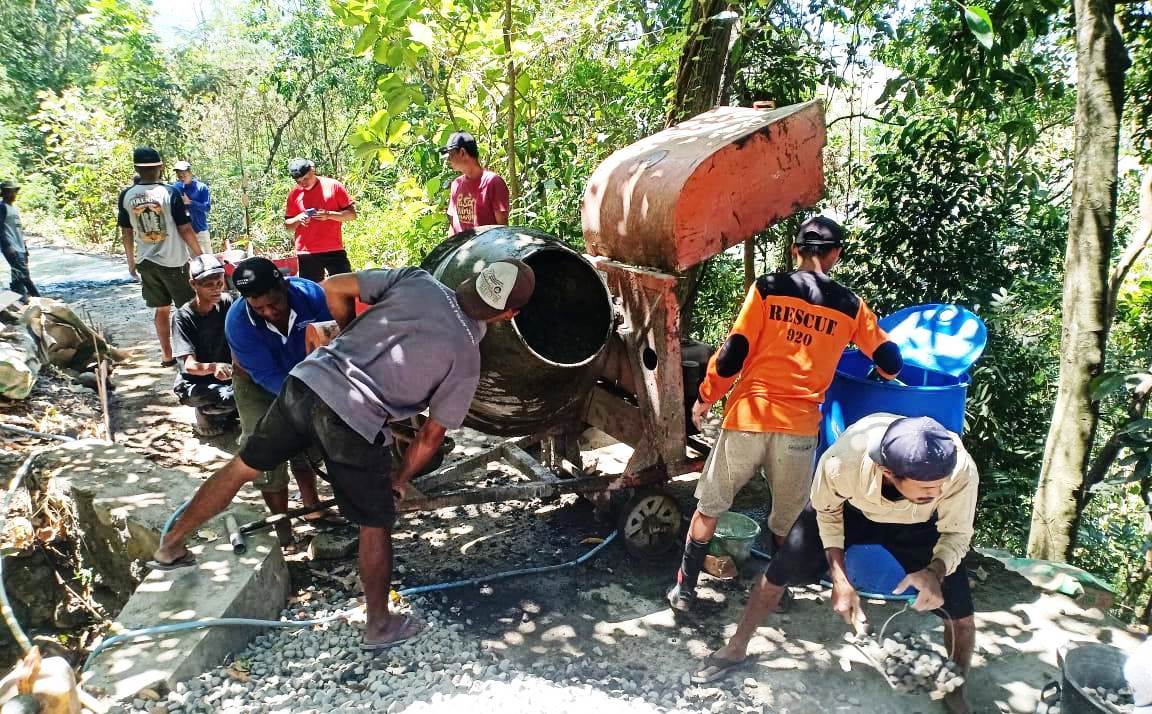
[735,535]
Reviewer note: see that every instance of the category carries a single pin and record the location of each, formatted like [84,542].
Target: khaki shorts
[787,462]
[163,286]
[205,241]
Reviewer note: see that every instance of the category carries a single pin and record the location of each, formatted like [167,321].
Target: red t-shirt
[318,236]
[474,202]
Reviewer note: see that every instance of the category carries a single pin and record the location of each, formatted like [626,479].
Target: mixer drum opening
[568,319]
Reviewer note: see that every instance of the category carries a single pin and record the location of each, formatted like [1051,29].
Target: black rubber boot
[683,593]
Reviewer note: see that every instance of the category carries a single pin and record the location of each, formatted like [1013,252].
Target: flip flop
[168,362]
[411,629]
[328,518]
[716,668]
[185,561]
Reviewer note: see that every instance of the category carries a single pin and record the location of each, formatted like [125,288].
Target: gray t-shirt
[155,212]
[413,349]
[13,231]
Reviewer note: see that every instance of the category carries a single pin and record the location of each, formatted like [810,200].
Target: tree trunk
[702,60]
[510,149]
[699,78]
[1101,62]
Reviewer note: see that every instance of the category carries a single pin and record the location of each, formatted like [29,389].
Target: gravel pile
[322,671]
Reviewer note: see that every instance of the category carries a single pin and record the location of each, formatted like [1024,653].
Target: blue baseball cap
[918,448]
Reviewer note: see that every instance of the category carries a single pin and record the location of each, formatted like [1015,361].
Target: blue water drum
[939,344]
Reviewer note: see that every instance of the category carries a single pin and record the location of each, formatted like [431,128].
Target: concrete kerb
[122,501]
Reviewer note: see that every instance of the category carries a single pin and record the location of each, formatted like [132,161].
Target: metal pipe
[36,434]
[235,535]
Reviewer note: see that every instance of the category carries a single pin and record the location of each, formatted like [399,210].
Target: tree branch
[1140,240]
[862,115]
[1137,407]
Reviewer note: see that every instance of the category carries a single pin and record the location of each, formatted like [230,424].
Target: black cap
[918,448]
[461,140]
[820,231]
[298,167]
[146,156]
[256,276]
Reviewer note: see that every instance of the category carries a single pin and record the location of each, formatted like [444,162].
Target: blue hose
[291,624]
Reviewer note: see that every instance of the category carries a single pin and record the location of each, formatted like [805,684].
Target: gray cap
[918,448]
[204,266]
[9,186]
[298,167]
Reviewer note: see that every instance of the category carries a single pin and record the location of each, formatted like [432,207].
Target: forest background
[950,159]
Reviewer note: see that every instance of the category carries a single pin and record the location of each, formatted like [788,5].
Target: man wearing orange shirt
[783,350]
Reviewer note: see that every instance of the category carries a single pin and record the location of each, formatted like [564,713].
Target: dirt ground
[608,614]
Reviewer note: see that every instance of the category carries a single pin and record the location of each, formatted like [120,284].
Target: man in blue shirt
[266,333]
[198,201]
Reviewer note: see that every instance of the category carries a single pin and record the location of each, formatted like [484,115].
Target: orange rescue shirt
[796,326]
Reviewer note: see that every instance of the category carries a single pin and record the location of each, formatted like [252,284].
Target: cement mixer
[600,345]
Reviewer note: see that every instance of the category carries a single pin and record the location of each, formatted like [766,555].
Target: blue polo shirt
[260,349]
[199,202]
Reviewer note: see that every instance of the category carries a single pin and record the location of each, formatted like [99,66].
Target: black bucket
[536,370]
[1086,667]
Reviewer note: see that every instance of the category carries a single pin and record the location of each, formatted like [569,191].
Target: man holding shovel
[904,483]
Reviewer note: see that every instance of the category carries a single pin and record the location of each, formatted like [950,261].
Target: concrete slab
[122,502]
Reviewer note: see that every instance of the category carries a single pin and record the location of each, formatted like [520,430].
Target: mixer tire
[650,524]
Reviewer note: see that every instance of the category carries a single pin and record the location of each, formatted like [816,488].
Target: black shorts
[801,560]
[314,266]
[359,470]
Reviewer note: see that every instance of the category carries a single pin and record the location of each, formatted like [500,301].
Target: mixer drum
[537,369]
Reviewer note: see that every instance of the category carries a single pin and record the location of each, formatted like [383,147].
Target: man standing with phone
[315,210]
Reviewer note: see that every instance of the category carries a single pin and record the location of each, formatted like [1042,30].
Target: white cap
[494,284]
[182,166]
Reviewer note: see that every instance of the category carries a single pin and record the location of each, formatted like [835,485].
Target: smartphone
[310,212]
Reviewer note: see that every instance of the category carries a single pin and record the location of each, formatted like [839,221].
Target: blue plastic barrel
[925,391]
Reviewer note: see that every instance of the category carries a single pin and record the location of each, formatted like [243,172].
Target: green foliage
[132,78]
[87,158]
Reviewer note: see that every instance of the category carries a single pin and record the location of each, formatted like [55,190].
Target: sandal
[326,517]
[409,629]
[716,668]
[185,561]
[168,362]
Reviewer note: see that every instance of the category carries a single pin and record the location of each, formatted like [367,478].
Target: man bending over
[417,346]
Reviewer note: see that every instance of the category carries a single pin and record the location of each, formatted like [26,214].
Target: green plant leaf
[980,23]
[367,39]
[379,122]
[422,34]
[1105,384]
[397,131]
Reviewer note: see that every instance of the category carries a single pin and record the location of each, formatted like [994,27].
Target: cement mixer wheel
[650,524]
